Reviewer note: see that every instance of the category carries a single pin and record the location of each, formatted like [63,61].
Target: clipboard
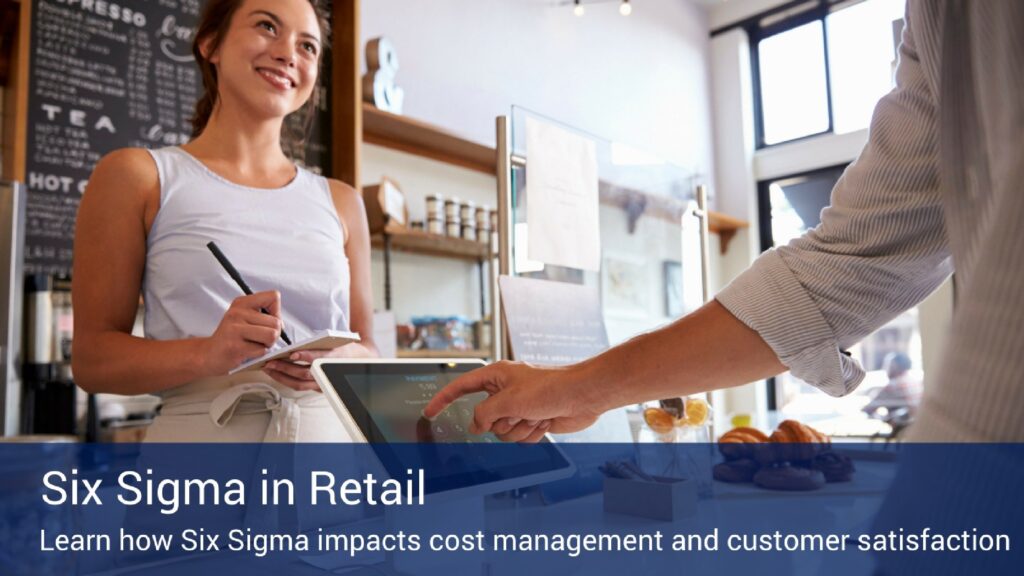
[320,340]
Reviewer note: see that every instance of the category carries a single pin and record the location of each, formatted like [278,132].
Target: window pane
[796,203]
[862,59]
[794,99]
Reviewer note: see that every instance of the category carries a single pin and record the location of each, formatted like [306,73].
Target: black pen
[238,280]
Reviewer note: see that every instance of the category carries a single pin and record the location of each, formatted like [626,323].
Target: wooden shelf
[726,227]
[407,135]
[414,137]
[419,242]
[666,208]
[443,353]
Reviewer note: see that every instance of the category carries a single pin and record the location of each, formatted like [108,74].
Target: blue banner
[511,509]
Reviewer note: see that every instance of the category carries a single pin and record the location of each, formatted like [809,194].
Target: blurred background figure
[897,401]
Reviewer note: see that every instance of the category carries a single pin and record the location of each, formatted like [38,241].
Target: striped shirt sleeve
[880,249]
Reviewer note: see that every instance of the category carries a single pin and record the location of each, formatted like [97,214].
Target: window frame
[757,32]
[775,21]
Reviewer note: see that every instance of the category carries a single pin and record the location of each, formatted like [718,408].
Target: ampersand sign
[379,83]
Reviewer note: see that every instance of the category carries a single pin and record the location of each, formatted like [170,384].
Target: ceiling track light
[625,7]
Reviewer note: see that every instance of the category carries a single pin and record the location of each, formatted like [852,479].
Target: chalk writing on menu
[108,75]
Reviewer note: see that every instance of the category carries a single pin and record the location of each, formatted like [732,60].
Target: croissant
[793,442]
[744,434]
[738,443]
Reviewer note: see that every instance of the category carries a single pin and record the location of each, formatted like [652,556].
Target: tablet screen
[391,397]
[386,402]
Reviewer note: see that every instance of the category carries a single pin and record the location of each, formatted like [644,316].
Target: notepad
[320,340]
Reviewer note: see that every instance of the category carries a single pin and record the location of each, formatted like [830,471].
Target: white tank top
[287,239]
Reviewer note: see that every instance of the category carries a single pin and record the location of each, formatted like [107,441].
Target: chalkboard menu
[108,75]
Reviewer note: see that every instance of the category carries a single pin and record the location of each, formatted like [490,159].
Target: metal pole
[705,267]
[504,233]
[705,252]
[12,285]
[483,287]
[387,271]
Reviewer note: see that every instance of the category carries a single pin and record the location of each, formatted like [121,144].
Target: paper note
[552,323]
[562,197]
[321,340]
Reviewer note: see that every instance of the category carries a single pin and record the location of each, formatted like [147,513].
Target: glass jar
[466,212]
[451,209]
[435,206]
[453,228]
[483,228]
[435,226]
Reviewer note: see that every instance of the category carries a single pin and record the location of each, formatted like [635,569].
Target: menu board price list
[103,76]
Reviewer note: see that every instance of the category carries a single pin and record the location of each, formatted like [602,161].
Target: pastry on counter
[793,442]
[791,431]
[744,434]
[795,457]
[790,478]
[836,467]
[735,471]
[738,443]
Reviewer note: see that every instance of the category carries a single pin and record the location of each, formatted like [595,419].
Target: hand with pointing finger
[524,401]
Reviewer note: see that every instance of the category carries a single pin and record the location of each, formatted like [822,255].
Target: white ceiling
[706,4]
[720,12]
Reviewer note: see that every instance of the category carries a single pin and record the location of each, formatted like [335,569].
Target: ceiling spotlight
[578,10]
[625,8]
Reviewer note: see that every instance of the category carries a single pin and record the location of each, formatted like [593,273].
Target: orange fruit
[697,410]
[659,420]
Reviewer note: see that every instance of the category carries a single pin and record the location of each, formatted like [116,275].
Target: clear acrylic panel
[650,235]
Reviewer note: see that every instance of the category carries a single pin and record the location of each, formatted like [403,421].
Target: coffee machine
[37,394]
[50,394]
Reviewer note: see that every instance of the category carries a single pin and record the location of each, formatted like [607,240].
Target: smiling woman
[263,26]
[297,238]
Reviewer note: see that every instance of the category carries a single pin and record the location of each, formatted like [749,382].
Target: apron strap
[259,397]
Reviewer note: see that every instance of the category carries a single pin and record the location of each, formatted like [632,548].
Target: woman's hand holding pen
[297,376]
[244,332]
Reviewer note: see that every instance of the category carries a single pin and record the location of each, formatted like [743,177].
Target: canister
[435,226]
[435,205]
[483,229]
[451,209]
[466,211]
[453,228]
